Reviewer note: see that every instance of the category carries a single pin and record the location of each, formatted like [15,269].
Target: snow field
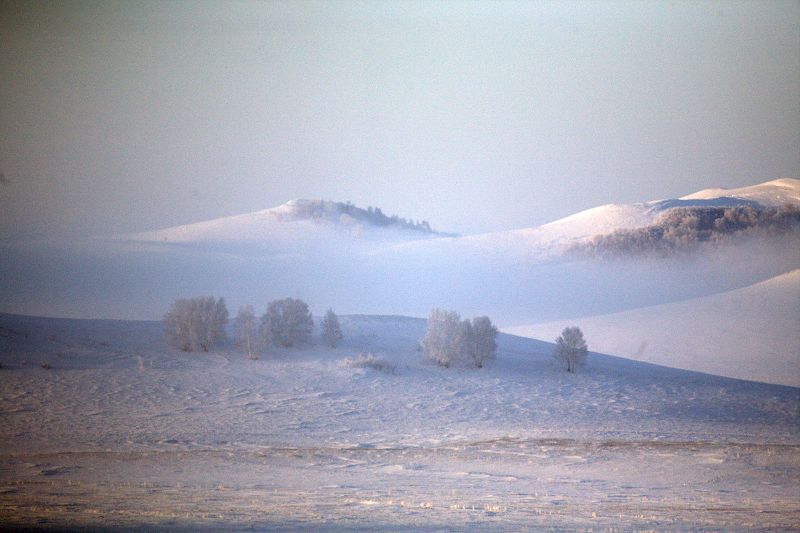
[122,431]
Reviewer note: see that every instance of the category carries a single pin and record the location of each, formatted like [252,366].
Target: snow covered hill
[747,333]
[361,261]
[771,193]
[608,218]
[303,223]
[295,224]
[547,241]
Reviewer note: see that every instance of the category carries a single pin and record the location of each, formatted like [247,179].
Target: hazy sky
[476,116]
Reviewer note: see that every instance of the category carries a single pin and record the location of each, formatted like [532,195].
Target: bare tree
[245,330]
[571,349]
[196,323]
[288,321]
[331,330]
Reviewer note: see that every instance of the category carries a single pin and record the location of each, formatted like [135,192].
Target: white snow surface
[771,193]
[306,249]
[301,222]
[548,241]
[296,224]
[747,333]
[609,218]
[122,431]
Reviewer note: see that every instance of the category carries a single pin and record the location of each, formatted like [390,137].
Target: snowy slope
[548,241]
[123,432]
[748,333]
[142,392]
[295,224]
[303,222]
[771,193]
[334,255]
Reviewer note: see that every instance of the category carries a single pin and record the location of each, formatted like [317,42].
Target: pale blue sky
[476,116]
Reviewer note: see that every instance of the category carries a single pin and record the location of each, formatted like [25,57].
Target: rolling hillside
[747,333]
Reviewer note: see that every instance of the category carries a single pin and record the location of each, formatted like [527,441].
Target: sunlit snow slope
[548,240]
[771,193]
[293,225]
[356,260]
[748,333]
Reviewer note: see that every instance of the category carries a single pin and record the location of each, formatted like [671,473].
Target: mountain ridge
[372,224]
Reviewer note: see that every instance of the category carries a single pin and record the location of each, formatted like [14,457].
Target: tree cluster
[376,217]
[287,322]
[199,323]
[196,323]
[686,228]
[450,341]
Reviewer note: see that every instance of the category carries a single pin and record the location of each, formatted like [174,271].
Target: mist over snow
[358,260]
[453,265]
[292,226]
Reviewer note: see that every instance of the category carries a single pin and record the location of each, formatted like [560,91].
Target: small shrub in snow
[45,365]
[449,340]
[571,349]
[287,322]
[369,361]
[331,330]
[196,323]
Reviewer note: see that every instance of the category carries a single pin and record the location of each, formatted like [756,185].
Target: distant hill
[294,222]
[355,260]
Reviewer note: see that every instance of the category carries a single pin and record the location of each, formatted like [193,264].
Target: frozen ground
[123,432]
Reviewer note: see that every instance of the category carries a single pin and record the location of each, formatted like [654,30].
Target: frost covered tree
[178,325]
[571,349]
[464,352]
[264,332]
[196,323]
[485,340]
[439,341]
[331,330]
[448,340]
[217,318]
[245,330]
[288,321]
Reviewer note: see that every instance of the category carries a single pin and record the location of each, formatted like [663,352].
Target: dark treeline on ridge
[686,228]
